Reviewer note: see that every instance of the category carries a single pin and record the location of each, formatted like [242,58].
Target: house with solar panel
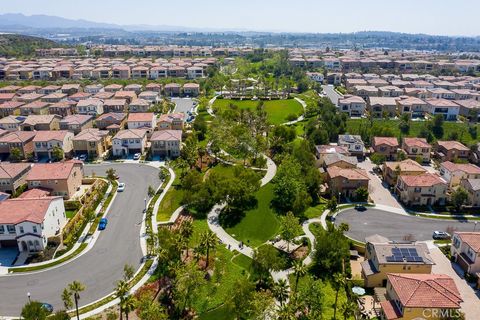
[383,257]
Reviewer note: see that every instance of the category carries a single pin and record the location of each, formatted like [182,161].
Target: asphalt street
[395,226]
[101,267]
[183,104]
[331,94]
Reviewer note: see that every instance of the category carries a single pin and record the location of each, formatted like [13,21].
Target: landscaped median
[75,247]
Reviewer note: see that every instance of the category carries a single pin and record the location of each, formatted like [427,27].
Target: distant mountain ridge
[14,45]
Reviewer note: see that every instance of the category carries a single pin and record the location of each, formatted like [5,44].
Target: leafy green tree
[128,272]
[339,282]
[265,259]
[332,204]
[280,291]
[57,153]
[33,310]
[331,252]
[16,154]
[311,298]
[459,197]
[128,304]
[289,228]
[121,291]
[348,309]
[151,192]
[188,283]
[437,126]
[151,310]
[59,315]
[361,194]
[377,158]
[245,303]
[67,299]
[75,288]
[189,152]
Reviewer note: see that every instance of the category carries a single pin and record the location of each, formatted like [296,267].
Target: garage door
[8,243]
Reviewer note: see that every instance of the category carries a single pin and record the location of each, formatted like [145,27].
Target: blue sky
[444,17]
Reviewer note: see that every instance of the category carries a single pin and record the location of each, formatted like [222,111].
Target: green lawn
[214,293]
[277,110]
[315,212]
[219,313]
[259,224]
[171,201]
[354,126]
[70,213]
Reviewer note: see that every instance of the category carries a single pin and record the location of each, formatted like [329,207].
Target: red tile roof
[468,168]
[471,238]
[350,174]
[11,170]
[17,137]
[390,141]
[450,145]
[390,310]
[141,117]
[52,171]
[44,136]
[167,135]
[14,211]
[425,290]
[422,180]
[416,142]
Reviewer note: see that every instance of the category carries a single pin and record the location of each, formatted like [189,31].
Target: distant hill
[41,21]
[15,45]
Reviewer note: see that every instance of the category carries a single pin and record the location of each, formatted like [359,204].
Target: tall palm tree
[186,231]
[338,283]
[121,291]
[75,288]
[67,299]
[129,303]
[208,240]
[300,270]
[280,291]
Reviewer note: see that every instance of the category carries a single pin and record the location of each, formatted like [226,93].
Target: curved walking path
[302,117]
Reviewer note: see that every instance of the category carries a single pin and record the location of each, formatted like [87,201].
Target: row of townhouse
[104,68]
[39,136]
[402,278]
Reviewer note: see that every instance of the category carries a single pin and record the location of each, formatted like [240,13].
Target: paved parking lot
[395,226]
[183,104]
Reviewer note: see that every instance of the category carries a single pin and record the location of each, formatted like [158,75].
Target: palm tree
[67,299]
[128,304]
[338,283]
[208,240]
[300,270]
[186,231]
[120,292]
[75,288]
[348,309]
[280,291]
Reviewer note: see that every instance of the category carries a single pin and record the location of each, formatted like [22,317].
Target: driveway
[377,190]
[395,226]
[331,94]
[470,298]
[7,256]
[101,267]
[183,104]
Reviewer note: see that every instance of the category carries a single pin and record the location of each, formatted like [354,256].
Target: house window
[34,229]
[21,230]
[11,228]
[2,229]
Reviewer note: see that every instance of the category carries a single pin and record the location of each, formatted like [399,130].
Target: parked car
[121,187]
[136,156]
[440,235]
[83,157]
[102,224]
[360,207]
[47,306]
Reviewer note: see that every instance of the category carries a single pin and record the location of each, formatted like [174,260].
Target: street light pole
[475,226]
[145,204]
[28,295]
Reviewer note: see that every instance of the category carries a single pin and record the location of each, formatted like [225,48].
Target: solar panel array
[409,254]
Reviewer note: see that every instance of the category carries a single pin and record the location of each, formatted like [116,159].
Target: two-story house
[171,121]
[421,190]
[92,142]
[386,146]
[76,123]
[166,143]
[115,105]
[45,142]
[417,148]
[354,106]
[383,256]
[392,169]
[91,107]
[112,121]
[454,173]
[28,223]
[139,105]
[465,249]
[17,140]
[452,150]
[353,143]
[346,181]
[129,141]
[60,178]
[12,176]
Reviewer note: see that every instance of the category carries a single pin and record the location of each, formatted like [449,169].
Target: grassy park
[277,110]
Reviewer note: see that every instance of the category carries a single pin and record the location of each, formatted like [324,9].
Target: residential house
[386,146]
[353,105]
[150,96]
[110,119]
[338,160]
[76,123]
[129,141]
[60,178]
[113,88]
[392,169]
[146,120]
[5,97]
[417,148]
[420,296]
[166,143]
[92,142]
[382,106]
[28,223]
[452,151]
[91,107]
[194,72]
[353,143]
[345,182]
[447,108]
[191,89]
[421,190]
[139,105]
[62,108]
[54,97]
[36,107]
[115,105]
[322,150]
[41,123]
[453,173]
[465,250]
[12,176]
[45,142]
[472,186]
[70,88]
[172,89]
[21,140]
[125,95]
[29,97]
[172,121]
[10,108]
[79,96]
[412,105]
[11,123]
[383,257]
